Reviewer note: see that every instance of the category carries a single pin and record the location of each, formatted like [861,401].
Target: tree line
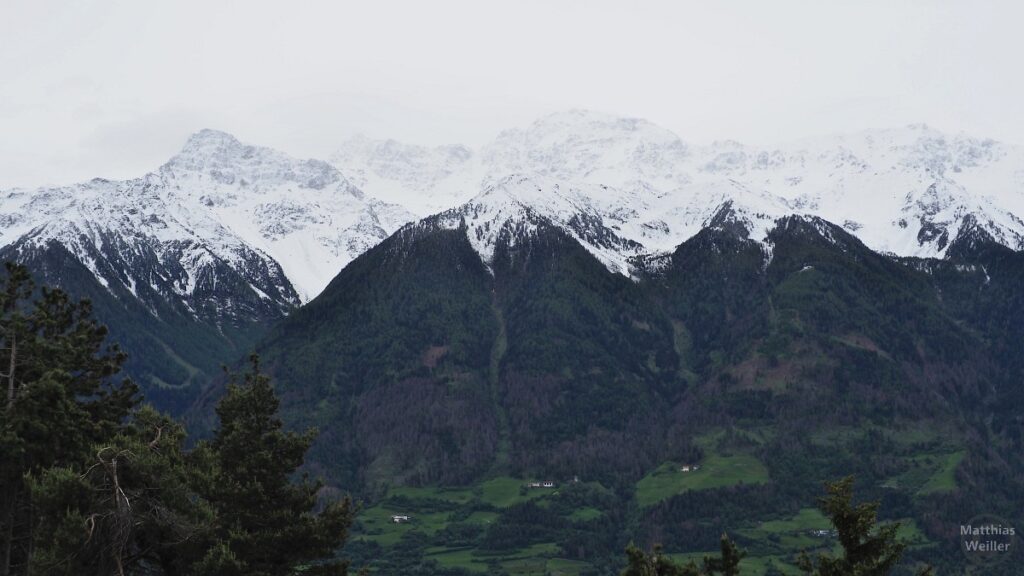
[867,548]
[94,481]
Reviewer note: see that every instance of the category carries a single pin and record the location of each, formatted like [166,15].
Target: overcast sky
[112,89]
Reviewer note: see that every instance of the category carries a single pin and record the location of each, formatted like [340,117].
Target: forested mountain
[189,264]
[194,261]
[906,190]
[589,301]
[572,354]
[484,343]
[174,349]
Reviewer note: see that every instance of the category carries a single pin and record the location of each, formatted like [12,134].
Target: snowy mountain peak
[217,211]
[209,139]
[591,147]
[621,186]
[904,190]
[517,206]
[525,190]
[391,167]
[209,147]
[579,124]
[220,158]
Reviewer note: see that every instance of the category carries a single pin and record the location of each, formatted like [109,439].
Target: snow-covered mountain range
[623,187]
[285,226]
[905,191]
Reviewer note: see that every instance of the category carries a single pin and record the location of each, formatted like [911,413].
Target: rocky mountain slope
[625,187]
[588,296]
[493,343]
[906,191]
[233,237]
[287,225]
[213,247]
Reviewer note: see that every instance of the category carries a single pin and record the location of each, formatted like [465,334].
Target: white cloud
[111,88]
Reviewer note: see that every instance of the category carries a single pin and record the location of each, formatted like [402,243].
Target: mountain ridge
[236,236]
[903,191]
[302,216]
[191,263]
[812,317]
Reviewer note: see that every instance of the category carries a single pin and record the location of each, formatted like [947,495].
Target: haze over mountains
[226,238]
[904,191]
[228,204]
[587,297]
[190,263]
[537,331]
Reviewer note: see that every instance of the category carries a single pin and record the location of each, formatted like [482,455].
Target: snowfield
[624,187]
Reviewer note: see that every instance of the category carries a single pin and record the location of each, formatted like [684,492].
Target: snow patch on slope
[229,203]
[905,191]
[513,209]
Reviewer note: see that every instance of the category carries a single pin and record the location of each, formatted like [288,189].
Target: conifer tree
[129,511]
[60,398]
[266,524]
[657,564]
[868,549]
[728,562]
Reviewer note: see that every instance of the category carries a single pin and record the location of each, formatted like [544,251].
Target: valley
[460,528]
[685,340]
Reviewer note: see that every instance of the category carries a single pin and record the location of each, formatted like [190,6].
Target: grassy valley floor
[507,525]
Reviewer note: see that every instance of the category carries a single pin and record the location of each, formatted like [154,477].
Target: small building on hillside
[689,468]
[545,484]
[400,519]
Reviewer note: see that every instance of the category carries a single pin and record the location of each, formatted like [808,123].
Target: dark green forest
[441,383]
[96,482]
[175,351]
[540,414]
